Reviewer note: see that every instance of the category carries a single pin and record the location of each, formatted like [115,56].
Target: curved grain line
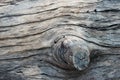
[47,10]
[96,43]
[104,28]
[34,21]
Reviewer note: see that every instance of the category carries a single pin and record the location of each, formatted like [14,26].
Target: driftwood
[30,29]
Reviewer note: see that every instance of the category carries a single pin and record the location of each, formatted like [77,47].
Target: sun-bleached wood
[30,28]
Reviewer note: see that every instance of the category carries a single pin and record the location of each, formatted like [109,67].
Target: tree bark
[27,28]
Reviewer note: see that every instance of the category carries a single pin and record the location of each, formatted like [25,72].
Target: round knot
[71,52]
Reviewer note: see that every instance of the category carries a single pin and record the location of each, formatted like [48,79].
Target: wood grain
[28,29]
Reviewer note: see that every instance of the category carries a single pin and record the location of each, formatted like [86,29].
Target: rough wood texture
[30,28]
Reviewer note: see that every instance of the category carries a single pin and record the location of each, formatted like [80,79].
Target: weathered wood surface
[28,29]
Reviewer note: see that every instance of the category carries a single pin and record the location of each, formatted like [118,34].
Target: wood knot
[70,53]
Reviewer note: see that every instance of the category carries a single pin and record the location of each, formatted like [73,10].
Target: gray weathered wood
[29,30]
